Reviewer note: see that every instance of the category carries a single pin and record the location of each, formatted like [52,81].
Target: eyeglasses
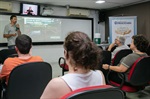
[116,40]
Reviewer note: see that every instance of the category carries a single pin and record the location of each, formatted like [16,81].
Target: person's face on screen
[30,8]
[14,20]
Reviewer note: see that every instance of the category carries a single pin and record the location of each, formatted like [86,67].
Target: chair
[13,55]
[138,77]
[63,65]
[95,92]
[106,57]
[5,53]
[28,81]
[119,55]
[148,50]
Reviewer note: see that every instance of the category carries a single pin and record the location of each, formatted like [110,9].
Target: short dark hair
[12,16]
[82,51]
[23,43]
[140,42]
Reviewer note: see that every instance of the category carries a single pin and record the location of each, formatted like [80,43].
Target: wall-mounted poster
[126,26]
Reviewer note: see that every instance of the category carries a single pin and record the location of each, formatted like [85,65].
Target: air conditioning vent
[78,12]
[5,6]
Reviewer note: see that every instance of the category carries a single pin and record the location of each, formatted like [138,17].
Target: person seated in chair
[23,46]
[83,57]
[119,42]
[139,46]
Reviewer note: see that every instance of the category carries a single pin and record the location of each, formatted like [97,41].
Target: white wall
[15,7]
[51,53]
[102,31]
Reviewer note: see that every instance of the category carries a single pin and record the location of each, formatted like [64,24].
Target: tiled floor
[145,94]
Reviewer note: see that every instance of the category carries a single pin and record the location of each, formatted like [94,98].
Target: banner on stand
[126,26]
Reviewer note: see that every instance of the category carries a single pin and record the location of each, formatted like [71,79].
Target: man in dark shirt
[30,11]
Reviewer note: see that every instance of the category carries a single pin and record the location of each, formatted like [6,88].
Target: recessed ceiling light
[100,1]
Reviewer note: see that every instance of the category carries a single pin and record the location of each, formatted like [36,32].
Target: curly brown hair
[140,42]
[82,51]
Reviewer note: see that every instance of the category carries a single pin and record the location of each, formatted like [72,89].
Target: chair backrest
[140,72]
[5,53]
[148,50]
[13,55]
[63,65]
[106,59]
[119,55]
[95,92]
[28,80]
[61,61]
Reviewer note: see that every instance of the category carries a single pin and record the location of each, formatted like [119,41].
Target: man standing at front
[11,31]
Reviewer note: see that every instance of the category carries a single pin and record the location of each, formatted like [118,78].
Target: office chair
[148,50]
[106,59]
[138,77]
[119,55]
[63,65]
[95,92]
[5,53]
[28,81]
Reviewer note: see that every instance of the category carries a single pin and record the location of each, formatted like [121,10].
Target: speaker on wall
[101,16]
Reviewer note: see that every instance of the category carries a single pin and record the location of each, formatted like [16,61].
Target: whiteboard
[48,29]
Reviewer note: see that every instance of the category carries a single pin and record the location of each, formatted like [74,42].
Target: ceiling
[87,3]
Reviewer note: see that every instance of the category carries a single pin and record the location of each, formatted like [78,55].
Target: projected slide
[47,29]
[43,29]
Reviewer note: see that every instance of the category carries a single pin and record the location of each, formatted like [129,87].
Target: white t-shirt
[9,29]
[76,81]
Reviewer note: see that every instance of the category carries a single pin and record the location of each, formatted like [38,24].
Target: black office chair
[63,65]
[138,77]
[148,50]
[95,92]
[28,81]
[119,55]
[106,59]
[5,53]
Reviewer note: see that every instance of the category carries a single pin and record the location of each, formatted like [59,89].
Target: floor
[145,94]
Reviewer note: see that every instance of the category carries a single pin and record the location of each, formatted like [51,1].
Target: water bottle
[97,38]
